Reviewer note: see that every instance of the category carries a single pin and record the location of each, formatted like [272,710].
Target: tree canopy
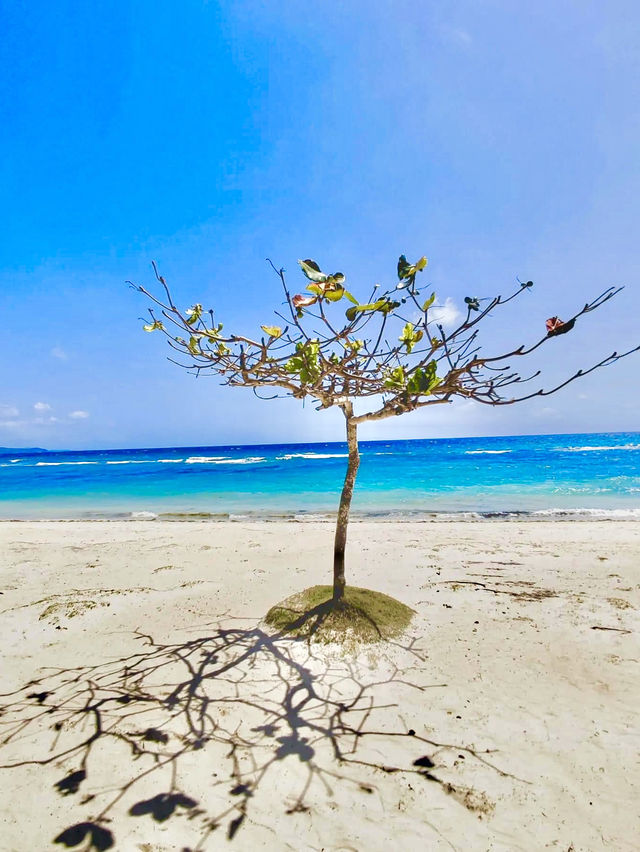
[387,350]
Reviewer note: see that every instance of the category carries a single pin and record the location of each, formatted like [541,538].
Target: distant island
[23,450]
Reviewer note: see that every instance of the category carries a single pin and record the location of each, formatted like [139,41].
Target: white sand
[519,679]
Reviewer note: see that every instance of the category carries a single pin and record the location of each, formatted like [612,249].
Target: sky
[498,138]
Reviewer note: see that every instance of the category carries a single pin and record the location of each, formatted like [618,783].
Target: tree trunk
[345,506]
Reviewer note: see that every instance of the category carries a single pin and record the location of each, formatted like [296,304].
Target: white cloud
[59,353]
[42,406]
[461,36]
[458,36]
[447,314]
[8,411]
[78,415]
[10,424]
[547,412]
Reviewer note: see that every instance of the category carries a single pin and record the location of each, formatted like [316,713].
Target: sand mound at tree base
[362,616]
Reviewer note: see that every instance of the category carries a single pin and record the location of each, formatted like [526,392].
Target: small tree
[386,353]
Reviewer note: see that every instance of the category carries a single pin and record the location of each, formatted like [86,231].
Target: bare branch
[338,364]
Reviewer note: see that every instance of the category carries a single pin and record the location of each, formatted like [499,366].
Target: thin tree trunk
[345,505]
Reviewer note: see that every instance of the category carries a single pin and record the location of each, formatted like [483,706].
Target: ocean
[532,477]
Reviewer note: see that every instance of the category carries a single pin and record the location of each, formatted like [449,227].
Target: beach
[147,707]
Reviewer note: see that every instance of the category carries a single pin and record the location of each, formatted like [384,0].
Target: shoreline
[579,515]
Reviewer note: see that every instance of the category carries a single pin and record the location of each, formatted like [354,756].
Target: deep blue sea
[537,477]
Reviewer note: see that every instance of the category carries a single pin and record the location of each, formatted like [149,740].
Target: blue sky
[498,139]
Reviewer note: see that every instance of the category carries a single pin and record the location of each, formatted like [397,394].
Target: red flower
[554,323]
[556,326]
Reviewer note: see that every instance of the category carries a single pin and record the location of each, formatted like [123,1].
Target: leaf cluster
[388,348]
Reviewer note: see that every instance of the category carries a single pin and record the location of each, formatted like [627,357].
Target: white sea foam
[143,516]
[58,464]
[169,461]
[224,460]
[290,456]
[250,460]
[485,452]
[600,514]
[133,461]
[13,461]
[596,449]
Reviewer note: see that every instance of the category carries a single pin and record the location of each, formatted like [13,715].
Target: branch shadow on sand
[212,730]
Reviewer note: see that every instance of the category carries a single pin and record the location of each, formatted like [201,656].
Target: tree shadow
[238,703]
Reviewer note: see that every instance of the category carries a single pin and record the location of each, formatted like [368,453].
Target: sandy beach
[146,707]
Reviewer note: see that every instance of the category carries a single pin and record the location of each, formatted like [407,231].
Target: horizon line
[35,450]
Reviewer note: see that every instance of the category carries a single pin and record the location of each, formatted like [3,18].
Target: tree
[386,353]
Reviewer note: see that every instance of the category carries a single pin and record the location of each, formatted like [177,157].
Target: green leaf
[194,314]
[306,362]
[410,336]
[404,268]
[293,365]
[351,298]
[407,271]
[334,295]
[153,326]
[384,305]
[429,302]
[192,346]
[395,379]
[272,330]
[423,381]
[312,270]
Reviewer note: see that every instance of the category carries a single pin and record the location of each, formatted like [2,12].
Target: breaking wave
[485,452]
[595,449]
[59,464]
[132,461]
[224,460]
[591,514]
[290,456]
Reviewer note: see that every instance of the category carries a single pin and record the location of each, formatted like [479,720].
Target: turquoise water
[583,475]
